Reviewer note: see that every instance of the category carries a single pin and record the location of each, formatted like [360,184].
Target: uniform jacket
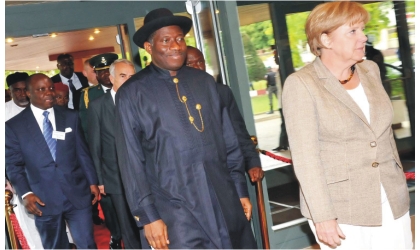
[340,159]
[76,97]
[101,140]
[30,166]
[88,95]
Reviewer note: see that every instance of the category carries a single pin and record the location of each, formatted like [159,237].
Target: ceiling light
[37,67]
[91,38]
[9,40]
[53,35]
[217,11]
[96,31]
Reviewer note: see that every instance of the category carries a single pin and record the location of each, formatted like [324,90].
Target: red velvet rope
[408,175]
[274,156]
[18,232]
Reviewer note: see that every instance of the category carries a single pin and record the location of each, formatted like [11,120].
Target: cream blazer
[339,158]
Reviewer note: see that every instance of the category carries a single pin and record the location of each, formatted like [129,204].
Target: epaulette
[86,95]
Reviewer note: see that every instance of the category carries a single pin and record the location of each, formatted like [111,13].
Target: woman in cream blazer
[338,118]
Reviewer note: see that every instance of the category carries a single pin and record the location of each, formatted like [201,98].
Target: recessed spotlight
[96,31]
[217,11]
[37,67]
[53,35]
[9,40]
[91,38]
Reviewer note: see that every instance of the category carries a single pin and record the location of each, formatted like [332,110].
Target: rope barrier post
[262,215]
[9,211]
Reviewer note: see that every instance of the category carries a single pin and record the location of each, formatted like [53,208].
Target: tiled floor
[413,231]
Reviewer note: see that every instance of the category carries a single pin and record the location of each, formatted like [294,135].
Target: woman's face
[347,43]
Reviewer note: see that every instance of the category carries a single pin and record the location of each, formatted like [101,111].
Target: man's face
[195,59]
[41,92]
[61,97]
[103,77]
[66,67]
[122,73]
[90,74]
[18,92]
[168,50]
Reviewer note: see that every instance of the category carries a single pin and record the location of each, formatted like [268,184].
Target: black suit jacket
[101,140]
[30,166]
[252,158]
[76,96]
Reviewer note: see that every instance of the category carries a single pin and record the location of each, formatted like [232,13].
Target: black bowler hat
[16,77]
[157,19]
[103,61]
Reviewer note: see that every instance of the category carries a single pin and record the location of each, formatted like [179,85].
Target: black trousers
[129,230]
[111,220]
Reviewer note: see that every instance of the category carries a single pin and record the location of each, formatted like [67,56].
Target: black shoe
[278,149]
[72,246]
[115,244]
[97,220]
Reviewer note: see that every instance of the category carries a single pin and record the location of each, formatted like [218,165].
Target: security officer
[101,64]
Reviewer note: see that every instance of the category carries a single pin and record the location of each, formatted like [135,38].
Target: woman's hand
[329,233]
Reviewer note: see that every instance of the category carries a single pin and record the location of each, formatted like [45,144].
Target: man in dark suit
[101,139]
[196,60]
[76,81]
[101,64]
[49,165]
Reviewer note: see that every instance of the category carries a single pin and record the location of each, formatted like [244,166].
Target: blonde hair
[327,17]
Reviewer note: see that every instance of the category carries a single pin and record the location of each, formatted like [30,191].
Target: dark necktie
[71,86]
[48,130]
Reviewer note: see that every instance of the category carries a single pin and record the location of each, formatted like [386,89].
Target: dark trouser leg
[52,229]
[111,220]
[81,226]
[129,230]
[284,140]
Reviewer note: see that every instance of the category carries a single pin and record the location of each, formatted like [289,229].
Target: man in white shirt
[16,84]
[76,81]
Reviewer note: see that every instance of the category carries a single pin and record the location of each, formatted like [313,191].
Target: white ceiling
[28,53]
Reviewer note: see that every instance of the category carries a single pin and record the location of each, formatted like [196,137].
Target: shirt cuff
[23,196]
[146,215]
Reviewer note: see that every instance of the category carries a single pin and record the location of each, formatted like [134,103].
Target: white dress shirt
[113,93]
[77,84]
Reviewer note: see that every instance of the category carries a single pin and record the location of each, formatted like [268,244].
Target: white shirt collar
[113,93]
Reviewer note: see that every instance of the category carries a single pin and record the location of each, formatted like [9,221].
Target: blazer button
[373,144]
[375,164]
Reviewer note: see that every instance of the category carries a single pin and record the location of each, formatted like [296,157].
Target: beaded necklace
[351,75]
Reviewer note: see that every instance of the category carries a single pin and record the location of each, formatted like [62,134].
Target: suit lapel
[35,131]
[334,87]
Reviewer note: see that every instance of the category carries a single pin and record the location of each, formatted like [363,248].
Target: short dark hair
[64,56]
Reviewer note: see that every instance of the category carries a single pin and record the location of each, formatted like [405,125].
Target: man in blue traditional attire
[180,161]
